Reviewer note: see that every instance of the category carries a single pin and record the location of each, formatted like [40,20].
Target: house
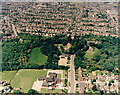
[50,88]
[90,86]
[53,85]
[57,80]
[67,47]
[112,88]
[52,75]
[50,79]
[116,77]
[82,88]
[64,56]
[63,59]
[41,78]
[91,77]
[91,49]
[1,82]
[80,78]
[101,77]
[1,88]
[45,84]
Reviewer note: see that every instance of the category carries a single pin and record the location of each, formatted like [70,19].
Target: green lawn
[65,74]
[90,54]
[25,78]
[45,90]
[58,75]
[36,57]
[8,75]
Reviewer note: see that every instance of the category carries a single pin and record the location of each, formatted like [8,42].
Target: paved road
[13,27]
[72,75]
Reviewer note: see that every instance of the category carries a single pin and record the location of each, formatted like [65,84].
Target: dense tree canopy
[15,53]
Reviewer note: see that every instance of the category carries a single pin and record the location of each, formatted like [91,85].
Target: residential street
[71,76]
[15,32]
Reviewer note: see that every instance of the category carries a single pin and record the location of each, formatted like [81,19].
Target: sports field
[45,90]
[8,75]
[25,78]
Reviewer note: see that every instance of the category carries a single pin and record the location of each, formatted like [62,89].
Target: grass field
[65,74]
[58,75]
[25,78]
[8,75]
[45,90]
[90,54]
[36,57]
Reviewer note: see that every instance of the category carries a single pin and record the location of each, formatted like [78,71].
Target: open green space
[36,57]
[65,74]
[45,90]
[25,78]
[90,54]
[8,75]
[58,75]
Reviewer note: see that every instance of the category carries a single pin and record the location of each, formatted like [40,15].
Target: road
[72,86]
[13,27]
[15,32]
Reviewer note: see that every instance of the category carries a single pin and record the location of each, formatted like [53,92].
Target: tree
[112,81]
[109,84]
[62,49]
[71,50]
[11,87]
[17,92]
[31,91]
[68,57]
[94,80]
[94,88]
[97,57]
[109,67]
[77,85]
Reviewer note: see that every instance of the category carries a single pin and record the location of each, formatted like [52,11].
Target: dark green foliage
[15,53]
[66,82]
[112,81]
[94,88]
[31,91]
[77,85]
[17,92]
[107,57]
[94,80]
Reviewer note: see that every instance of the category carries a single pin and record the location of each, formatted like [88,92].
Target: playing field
[36,57]
[8,75]
[25,78]
[45,90]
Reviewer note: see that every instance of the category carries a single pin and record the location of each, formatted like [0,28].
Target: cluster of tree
[99,46]
[15,53]
[85,13]
[79,47]
[107,56]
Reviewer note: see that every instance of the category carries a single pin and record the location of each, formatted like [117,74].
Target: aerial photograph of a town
[59,47]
